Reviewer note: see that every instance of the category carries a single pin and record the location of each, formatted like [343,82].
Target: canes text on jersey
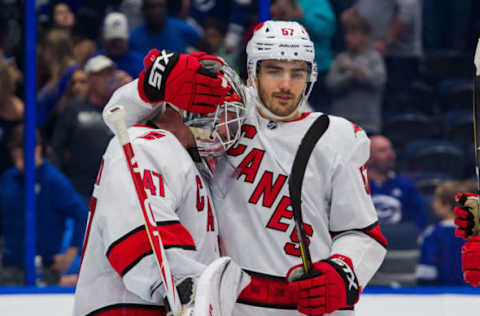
[269,187]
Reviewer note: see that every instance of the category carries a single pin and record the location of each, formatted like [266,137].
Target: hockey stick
[295,182]
[476,112]
[476,131]
[116,117]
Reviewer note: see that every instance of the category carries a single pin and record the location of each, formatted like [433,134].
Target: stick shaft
[295,183]
[476,126]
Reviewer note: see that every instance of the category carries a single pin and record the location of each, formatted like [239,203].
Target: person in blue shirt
[56,201]
[115,40]
[396,198]
[160,30]
[440,260]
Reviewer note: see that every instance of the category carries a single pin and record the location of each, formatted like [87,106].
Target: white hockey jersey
[118,274]
[256,220]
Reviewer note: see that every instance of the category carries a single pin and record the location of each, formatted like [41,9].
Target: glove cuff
[344,267]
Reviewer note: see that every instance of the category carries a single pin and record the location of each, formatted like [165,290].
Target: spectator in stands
[56,200]
[85,34]
[319,20]
[356,79]
[214,42]
[338,41]
[162,31]
[282,10]
[57,52]
[233,14]
[286,10]
[440,260]
[81,136]
[77,88]
[62,16]
[395,197]
[11,111]
[115,41]
[396,33]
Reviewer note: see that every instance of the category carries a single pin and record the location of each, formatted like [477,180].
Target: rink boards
[56,301]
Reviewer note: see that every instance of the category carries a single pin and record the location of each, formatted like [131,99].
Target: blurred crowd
[400,69]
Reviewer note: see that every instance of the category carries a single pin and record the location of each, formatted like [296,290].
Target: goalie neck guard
[280,40]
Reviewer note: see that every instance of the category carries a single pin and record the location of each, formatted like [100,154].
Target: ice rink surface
[374,302]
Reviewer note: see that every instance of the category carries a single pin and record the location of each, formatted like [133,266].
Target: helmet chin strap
[274,117]
[269,114]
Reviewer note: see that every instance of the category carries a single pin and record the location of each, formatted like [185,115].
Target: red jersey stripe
[128,250]
[129,310]
[267,291]
[372,230]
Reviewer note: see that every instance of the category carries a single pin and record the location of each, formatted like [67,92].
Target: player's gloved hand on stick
[466,215]
[333,285]
[471,261]
[182,81]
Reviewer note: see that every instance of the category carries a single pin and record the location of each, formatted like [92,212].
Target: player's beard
[271,102]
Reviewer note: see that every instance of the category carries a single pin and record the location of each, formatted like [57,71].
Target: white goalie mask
[215,133]
[280,40]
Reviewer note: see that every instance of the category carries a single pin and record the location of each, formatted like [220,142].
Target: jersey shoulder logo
[356,128]
[152,135]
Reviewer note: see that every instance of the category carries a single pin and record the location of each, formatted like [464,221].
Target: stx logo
[348,273]
[158,68]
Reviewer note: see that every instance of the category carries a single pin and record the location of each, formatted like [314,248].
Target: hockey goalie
[199,120]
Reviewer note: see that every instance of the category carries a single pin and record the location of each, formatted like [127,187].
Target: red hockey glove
[466,215]
[335,287]
[471,261]
[182,81]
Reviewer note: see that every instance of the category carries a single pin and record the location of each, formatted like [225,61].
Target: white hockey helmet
[215,133]
[280,40]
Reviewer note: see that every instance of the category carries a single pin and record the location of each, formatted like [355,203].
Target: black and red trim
[128,250]
[372,230]
[268,291]
[143,125]
[125,309]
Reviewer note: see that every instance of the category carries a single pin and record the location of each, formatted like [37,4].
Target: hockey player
[119,275]
[467,220]
[254,213]
[340,221]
